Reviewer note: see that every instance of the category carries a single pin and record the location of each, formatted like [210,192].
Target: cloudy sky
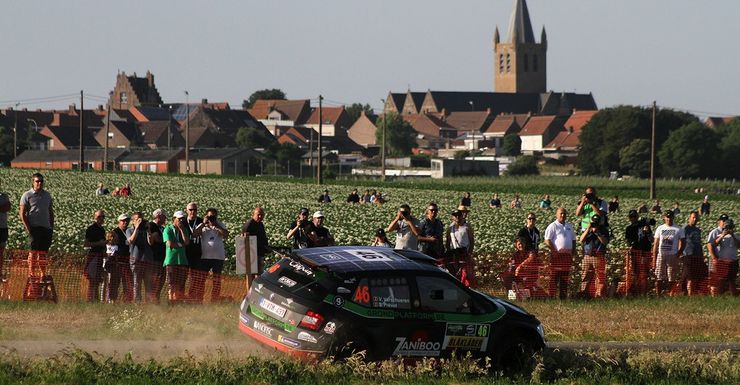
[682,53]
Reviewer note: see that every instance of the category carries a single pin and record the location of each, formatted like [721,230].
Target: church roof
[520,27]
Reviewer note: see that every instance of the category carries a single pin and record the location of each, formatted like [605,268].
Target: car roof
[351,259]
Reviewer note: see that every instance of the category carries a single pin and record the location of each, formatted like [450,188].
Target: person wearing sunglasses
[530,233]
[431,233]
[37,215]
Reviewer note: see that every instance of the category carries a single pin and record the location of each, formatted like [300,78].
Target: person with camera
[298,229]
[561,240]
[591,205]
[318,235]
[212,234]
[431,231]
[95,245]
[406,228]
[460,243]
[694,268]
[380,240]
[176,238]
[155,229]
[594,241]
[639,237]
[141,256]
[665,253]
[722,244]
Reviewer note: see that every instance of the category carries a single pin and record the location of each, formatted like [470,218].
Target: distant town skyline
[678,52]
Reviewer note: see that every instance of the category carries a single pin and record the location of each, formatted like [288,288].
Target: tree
[612,129]
[635,159]
[286,152]
[355,110]
[691,151]
[251,137]
[523,165]
[275,94]
[512,145]
[729,147]
[400,137]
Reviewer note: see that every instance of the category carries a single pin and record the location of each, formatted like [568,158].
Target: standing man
[37,215]
[120,273]
[594,241]
[95,243]
[298,230]
[639,237]
[705,207]
[212,233]
[155,228]
[561,240]
[319,235]
[406,228]
[694,267]
[176,239]
[591,205]
[142,257]
[665,253]
[530,234]
[193,250]
[4,208]
[255,226]
[723,244]
[431,232]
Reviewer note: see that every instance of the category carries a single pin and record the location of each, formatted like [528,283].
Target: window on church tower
[501,63]
[534,63]
[526,63]
[508,63]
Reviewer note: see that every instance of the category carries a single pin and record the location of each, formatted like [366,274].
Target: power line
[45,98]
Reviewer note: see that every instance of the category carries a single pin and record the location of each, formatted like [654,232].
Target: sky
[680,53]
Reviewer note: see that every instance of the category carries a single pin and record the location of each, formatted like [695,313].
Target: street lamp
[187,132]
[15,132]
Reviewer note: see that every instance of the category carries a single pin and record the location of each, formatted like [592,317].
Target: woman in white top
[460,243]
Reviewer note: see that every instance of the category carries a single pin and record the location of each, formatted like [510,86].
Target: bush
[524,165]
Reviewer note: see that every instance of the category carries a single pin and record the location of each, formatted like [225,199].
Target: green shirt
[174,255]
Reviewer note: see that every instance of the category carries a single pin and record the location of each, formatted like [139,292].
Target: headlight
[541,330]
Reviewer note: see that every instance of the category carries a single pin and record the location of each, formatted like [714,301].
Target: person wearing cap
[594,241]
[639,237]
[255,226]
[36,212]
[665,253]
[155,229]
[298,229]
[380,239]
[460,243]
[119,269]
[431,233]
[561,240]
[318,235]
[142,257]
[176,239]
[694,267]
[95,245]
[406,228]
[723,244]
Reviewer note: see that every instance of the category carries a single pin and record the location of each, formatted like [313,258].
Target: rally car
[332,301]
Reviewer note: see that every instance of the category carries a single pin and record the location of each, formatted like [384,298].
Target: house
[212,128]
[565,144]
[28,124]
[236,161]
[67,159]
[716,121]
[154,134]
[335,120]
[299,136]
[121,134]
[133,91]
[279,115]
[433,132]
[148,114]
[363,130]
[502,125]
[539,131]
[67,137]
[157,161]
[394,103]
[413,102]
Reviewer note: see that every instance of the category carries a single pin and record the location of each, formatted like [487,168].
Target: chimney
[56,121]
[150,78]
[245,105]
[72,109]
[204,101]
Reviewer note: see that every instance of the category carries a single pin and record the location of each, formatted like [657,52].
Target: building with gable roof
[520,63]
[280,115]
[133,91]
[335,121]
[539,131]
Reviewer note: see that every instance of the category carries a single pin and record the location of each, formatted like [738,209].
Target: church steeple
[520,63]
[520,27]
[496,38]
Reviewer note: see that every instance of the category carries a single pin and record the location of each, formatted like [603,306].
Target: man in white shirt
[723,244]
[665,253]
[406,228]
[212,233]
[561,240]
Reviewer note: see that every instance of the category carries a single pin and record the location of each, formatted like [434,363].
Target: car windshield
[299,279]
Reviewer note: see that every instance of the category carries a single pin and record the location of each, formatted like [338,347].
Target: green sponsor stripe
[264,317]
[395,314]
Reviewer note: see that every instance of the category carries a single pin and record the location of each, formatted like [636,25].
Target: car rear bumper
[303,355]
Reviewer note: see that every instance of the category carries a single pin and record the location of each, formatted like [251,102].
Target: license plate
[273,308]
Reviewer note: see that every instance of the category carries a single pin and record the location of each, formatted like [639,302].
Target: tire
[517,356]
[343,348]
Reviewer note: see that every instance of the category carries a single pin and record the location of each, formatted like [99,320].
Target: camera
[590,197]
[642,222]
[729,225]
[210,218]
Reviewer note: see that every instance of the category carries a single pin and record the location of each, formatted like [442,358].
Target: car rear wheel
[344,348]
[517,356]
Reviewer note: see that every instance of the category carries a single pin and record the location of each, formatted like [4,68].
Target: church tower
[520,63]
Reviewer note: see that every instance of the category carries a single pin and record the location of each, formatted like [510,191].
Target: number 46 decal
[362,294]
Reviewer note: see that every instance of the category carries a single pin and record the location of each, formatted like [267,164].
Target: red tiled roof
[537,125]
[504,124]
[426,124]
[579,119]
[469,120]
[565,139]
[330,115]
[296,110]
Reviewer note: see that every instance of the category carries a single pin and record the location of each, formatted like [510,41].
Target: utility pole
[382,147]
[107,132]
[82,125]
[187,132]
[15,132]
[318,164]
[652,157]
[169,131]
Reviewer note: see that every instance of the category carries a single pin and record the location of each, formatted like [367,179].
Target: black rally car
[334,300]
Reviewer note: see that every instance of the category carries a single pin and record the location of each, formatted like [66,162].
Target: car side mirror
[343,290]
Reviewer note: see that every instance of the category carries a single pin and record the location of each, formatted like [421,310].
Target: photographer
[406,228]
[212,233]
[142,256]
[694,267]
[591,205]
[318,235]
[298,229]
[594,241]
[723,244]
[639,237]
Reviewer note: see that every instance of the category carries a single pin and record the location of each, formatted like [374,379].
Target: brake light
[312,321]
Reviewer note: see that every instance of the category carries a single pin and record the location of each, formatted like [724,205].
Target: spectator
[255,226]
[406,228]
[665,253]
[373,196]
[528,275]
[101,190]
[519,255]
[119,268]
[298,230]
[639,237]
[4,208]
[516,203]
[614,205]
[125,190]
[379,198]
[325,198]
[594,241]
[192,249]
[142,257]
[353,197]
[530,234]
[642,209]
[656,207]
[431,233]
[460,243]
[546,203]
[212,233]
[176,239]
[319,235]
[723,244]
[465,200]
[676,209]
[37,215]
[694,268]
[95,245]
[155,229]
[366,197]
[705,207]
[561,240]
[495,202]
[380,239]
[116,192]
[109,262]
[591,205]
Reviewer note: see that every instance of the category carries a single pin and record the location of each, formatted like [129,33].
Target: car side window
[384,293]
[442,295]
